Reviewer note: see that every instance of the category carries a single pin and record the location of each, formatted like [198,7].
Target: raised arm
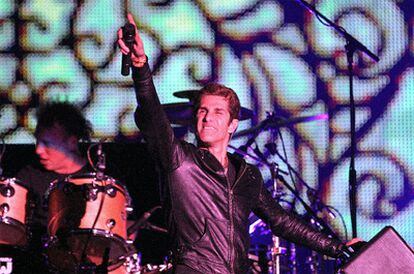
[149,115]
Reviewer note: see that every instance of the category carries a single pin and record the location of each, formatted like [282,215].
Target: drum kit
[87,228]
[87,216]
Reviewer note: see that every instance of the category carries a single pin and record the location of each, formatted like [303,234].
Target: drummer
[60,127]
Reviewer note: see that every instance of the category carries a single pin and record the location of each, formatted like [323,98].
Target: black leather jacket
[207,216]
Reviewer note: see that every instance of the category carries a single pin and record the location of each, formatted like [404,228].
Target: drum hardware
[149,268]
[111,191]
[89,226]
[133,263]
[91,191]
[4,208]
[273,122]
[7,190]
[110,223]
[13,212]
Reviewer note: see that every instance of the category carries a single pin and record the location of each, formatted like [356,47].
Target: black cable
[294,171]
[286,158]
[342,220]
[88,239]
[83,254]
[88,154]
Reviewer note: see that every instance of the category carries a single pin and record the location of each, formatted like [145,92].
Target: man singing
[209,192]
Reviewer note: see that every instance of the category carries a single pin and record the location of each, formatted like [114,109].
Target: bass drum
[87,222]
[13,208]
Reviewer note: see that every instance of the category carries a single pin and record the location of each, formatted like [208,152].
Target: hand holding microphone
[128,35]
[131,46]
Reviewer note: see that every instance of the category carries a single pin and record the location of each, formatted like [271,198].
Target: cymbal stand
[292,259]
[313,262]
[276,250]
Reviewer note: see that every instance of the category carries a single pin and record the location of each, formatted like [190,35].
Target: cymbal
[188,94]
[277,122]
[182,113]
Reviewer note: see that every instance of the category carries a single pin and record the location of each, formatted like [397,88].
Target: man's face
[213,121]
[55,148]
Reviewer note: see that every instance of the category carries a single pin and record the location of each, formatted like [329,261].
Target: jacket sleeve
[292,228]
[152,120]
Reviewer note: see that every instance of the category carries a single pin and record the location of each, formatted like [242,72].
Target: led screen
[282,61]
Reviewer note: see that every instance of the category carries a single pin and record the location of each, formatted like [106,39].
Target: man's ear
[233,126]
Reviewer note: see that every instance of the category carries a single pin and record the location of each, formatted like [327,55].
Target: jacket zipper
[231,255]
[238,179]
[230,191]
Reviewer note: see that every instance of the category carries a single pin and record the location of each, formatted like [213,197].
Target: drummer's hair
[223,91]
[66,115]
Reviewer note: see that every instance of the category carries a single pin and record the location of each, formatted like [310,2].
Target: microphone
[128,35]
[141,221]
[248,144]
[156,228]
[319,205]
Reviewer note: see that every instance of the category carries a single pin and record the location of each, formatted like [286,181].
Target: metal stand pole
[276,249]
[276,252]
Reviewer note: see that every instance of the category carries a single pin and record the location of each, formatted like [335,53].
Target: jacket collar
[209,162]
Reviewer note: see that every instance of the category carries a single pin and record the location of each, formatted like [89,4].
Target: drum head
[65,252]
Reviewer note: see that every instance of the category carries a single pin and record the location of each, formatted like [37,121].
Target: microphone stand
[276,250]
[352,45]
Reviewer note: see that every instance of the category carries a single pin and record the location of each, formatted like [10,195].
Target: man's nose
[40,148]
[206,117]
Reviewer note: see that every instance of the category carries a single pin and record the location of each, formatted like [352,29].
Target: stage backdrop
[277,56]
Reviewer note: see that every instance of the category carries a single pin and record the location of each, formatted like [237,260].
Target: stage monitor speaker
[386,253]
